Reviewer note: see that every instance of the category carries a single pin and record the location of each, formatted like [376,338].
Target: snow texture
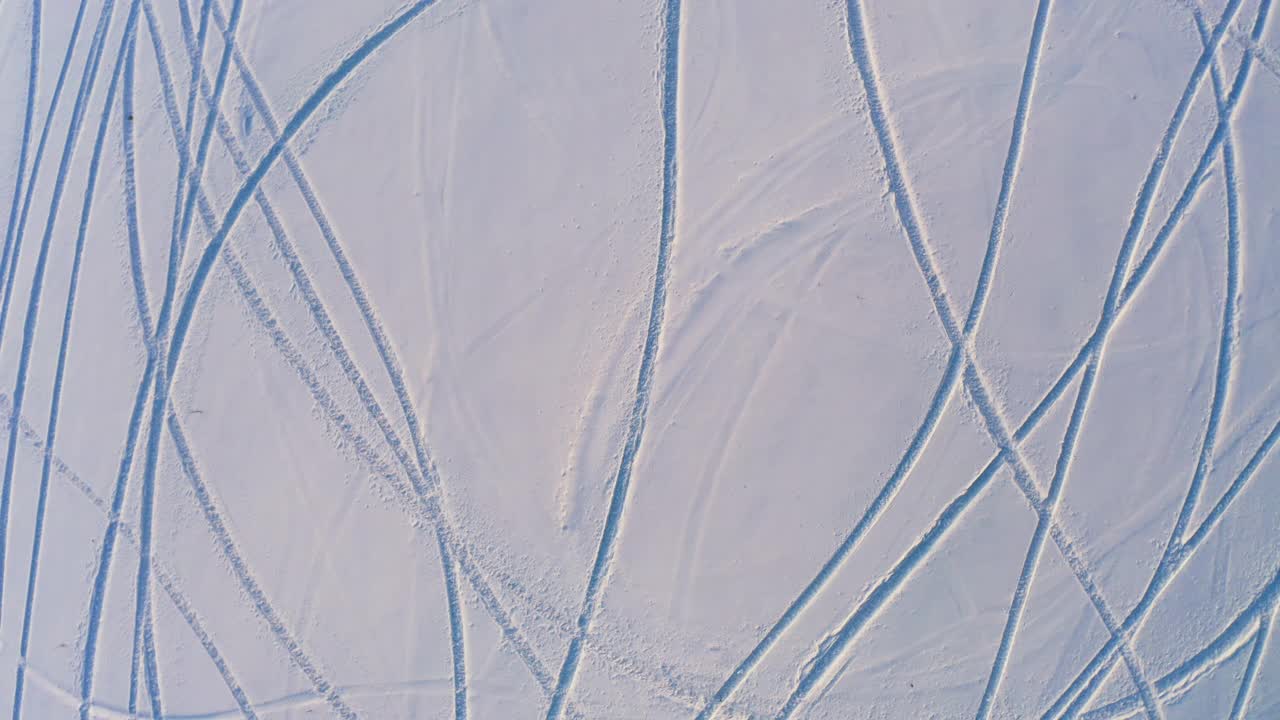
[703,359]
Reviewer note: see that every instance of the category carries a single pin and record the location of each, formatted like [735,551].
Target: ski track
[410,473]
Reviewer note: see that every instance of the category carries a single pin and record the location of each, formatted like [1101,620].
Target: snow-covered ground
[640,359]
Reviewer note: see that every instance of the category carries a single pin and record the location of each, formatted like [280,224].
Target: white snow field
[631,359]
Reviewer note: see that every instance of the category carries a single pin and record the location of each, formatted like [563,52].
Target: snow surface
[640,359]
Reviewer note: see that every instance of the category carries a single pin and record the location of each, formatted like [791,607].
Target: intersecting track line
[1215,516]
[424,479]
[167,583]
[430,483]
[97,595]
[520,646]
[211,251]
[360,445]
[33,74]
[13,236]
[106,557]
[942,394]
[1258,613]
[1031,564]
[1259,650]
[1250,45]
[227,547]
[197,65]
[261,605]
[1210,522]
[1222,382]
[617,502]
[907,215]
[37,282]
[143,621]
[915,557]
[1171,557]
[127,39]
[1223,374]
[163,576]
[323,686]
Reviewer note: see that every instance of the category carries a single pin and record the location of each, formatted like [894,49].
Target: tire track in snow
[621,485]
[37,282]
[196,55]
[974,383]
[1264,54]
[106,556]
[131,191]
[410,502]
[107,553]
[227,547]
[143,621]
[475,578]
[211,251]
[13,235]
[1012,162]
[304,663]
[960,504]
[426,498]
[1231,290]
[28,115]
[1215,516]
[519,645]
[97,594]
[1222,377]
[941,396]
[338,346]
[1163,571]
[429,482]
[126,40]
[1221,648]
[1030,565]
[164,577]
[1245,693]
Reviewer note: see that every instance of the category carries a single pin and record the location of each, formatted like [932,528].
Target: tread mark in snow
[13,236]
[163,576]
[126,41]
[635,432]
[952,513]
[211,251]
[163,378]
[37,283]
[262,605]
[33,74]
[1089,680]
